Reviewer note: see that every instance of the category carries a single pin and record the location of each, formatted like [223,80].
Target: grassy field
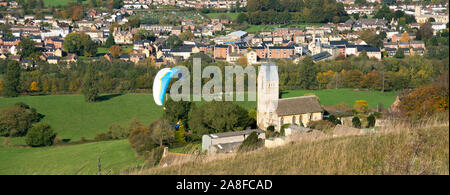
[418,151]
[57,2]
[330,97]
[232,15]
[258,28]
[73,118]
[75,159]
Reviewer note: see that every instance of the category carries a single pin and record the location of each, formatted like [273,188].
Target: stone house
[227,141]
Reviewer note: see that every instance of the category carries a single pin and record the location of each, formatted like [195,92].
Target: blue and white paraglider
[160,84]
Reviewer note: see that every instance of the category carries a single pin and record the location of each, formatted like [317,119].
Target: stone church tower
[268,94]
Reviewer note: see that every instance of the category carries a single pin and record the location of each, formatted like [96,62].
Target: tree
[180,137]
[173,41]
[90,88]
[356,122]
[34,87]
[399,53]
[115,50]
[110,41]
[160,132]
[26,47]
[140,138]
[12,80]
[371,121]
[216,117]
[186,35]
[242,61]
[177,111]
[425,31]
[308,73]
[80,43]
[252,142]
[40,135]
[15,121]
[361,106]
[405,37]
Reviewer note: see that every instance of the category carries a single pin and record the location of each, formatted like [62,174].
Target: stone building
[277,112]
[122,37]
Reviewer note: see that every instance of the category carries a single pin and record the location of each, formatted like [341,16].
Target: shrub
[83,139]
[334,120]
[252,142]
[103,136]
[57,140]
[40,135]
[371,121]
[271,128]
[154,156]
[141,139]
[14,121]
[356,122]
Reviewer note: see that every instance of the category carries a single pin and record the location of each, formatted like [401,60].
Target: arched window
[293,120]
[281,121]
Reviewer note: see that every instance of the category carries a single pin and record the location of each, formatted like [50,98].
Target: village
[322,42]
[77,79]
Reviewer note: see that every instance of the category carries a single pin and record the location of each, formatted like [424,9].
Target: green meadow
[58,2]
[74,159]
[232,15]
[72,118]
[330,97]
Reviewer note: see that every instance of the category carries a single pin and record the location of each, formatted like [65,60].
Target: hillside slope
[423,151]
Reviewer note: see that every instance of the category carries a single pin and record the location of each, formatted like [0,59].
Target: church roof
[298,105]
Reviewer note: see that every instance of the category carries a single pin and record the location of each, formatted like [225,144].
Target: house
[221,51]
[228,141]
[122,37]
[280,52]
[274,111]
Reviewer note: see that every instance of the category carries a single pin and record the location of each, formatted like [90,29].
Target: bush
[321,125]
[252,142]
[154,156]
[141,139]
[334,120]
[40,135]
[14,121]
[356,122]
[103,136]
[371,121]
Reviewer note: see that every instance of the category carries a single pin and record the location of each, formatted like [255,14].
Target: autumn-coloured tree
[34,86]
[361,106]
[115,50]
[372,80]
[242,61]
[352,78]
[405,37]
[425,101]
[324,77]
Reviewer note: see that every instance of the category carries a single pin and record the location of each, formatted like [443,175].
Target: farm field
[72,118]
[75,159]
[232,15]
[258,28]
[330,97]
[58,2]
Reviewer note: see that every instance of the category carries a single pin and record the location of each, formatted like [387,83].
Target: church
[274,111]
